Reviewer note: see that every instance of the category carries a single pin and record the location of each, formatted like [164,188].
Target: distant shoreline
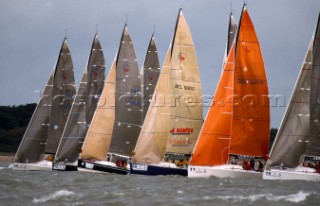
[6,157]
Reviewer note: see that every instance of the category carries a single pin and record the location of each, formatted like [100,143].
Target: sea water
[81,188]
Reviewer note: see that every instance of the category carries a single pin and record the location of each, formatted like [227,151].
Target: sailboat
[82,110]
[171,125]
[40,140]
[236,128]
[295,153]
[128,112]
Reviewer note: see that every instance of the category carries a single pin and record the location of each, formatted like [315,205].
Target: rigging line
[126,15]
[181,3]
[65,33]
[154,30]
[97,28]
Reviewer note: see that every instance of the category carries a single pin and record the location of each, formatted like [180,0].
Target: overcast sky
[32,32]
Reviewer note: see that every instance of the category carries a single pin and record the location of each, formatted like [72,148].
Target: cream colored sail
[186,115]
[98,138]
[153,137]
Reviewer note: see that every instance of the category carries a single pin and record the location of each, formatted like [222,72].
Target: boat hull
[278,174]
[41,165]
[61,166]
[223,171]
[153,170]
[102,166]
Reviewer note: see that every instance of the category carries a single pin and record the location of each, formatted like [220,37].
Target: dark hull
[153,170]
[102,168]
[64,167]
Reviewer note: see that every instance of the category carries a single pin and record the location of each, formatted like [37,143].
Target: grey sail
[63,93]
[84,105]
[291,141]
[128,99]
[151,72]
[313,148]
[33,142]
[232,31]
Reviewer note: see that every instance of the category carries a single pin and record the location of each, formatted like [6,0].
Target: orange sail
[251,112]
[238,121]
[213,143]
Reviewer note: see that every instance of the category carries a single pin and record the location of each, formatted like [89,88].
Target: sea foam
[298,197]
[55,196]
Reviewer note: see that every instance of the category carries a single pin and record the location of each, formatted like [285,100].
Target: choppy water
[79,188]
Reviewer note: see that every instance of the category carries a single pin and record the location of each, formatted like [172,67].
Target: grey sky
[32,32]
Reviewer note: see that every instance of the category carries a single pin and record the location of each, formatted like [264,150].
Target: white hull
[223,171]
[300,173]
[42,165]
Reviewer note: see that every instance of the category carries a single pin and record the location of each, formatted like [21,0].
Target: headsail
[63,93]
[128,99]
[84,105]
[99,135]
[33,142]
[213,144]
[152,141]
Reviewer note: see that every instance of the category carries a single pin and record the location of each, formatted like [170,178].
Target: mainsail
[128,99]
[313,149]
[99,135]
[186,115]
[84,105]
[151,71]
[250,132]
[33,142]
[63,93]
[232,31]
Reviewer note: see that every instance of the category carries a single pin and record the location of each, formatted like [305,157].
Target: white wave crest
[298,197]
[56,195]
